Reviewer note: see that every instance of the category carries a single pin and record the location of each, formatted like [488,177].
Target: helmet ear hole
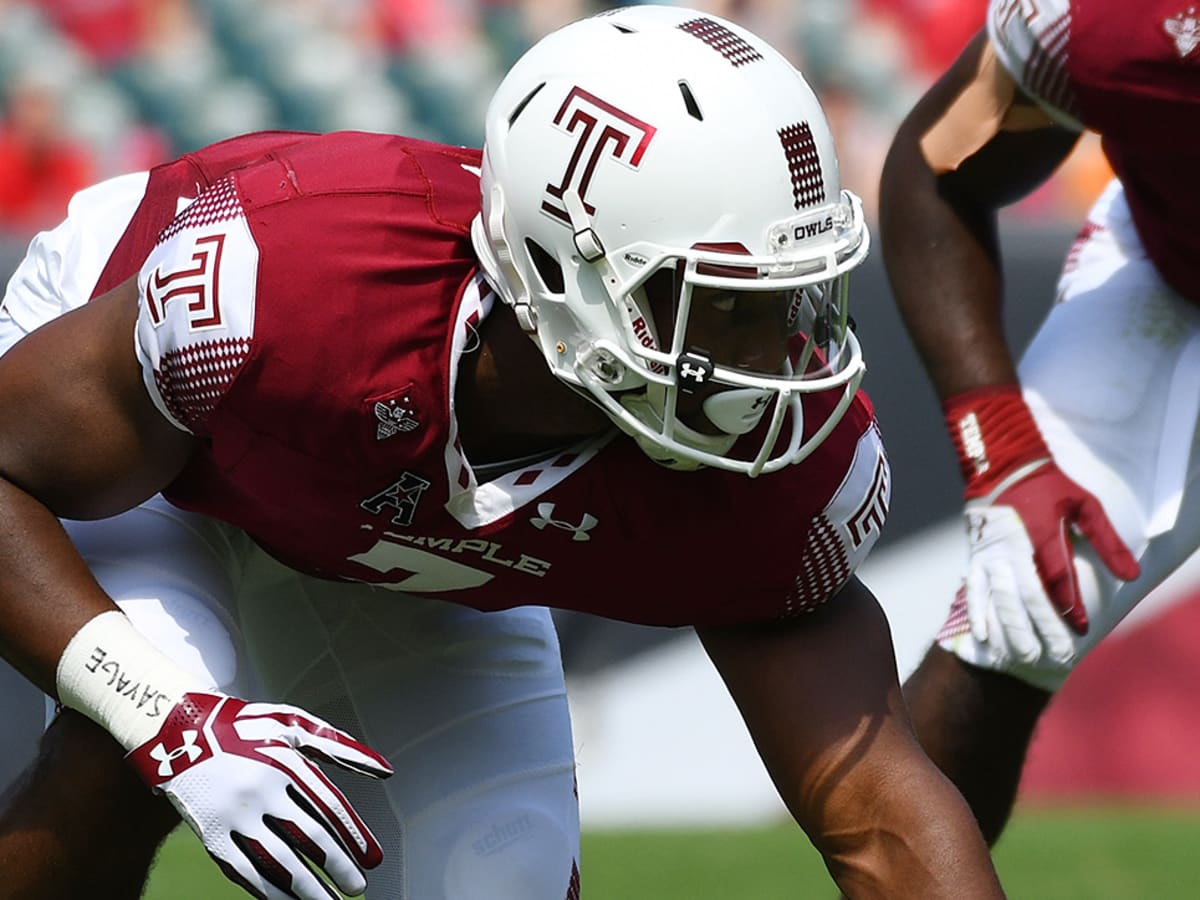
[548,269]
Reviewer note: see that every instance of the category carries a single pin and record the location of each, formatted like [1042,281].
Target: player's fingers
[238,870]
[328,805]
[1096,527]
[280,868]
[1009,609]
[1055,565]
[1052,631]
[336,861]
[341,749]
[973,593]
[313,840]
[240,861]
[301,729]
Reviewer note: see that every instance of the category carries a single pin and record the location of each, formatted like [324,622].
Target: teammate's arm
[970,146]
[821,699]
[973,144]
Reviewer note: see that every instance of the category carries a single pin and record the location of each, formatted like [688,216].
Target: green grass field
[1100,853]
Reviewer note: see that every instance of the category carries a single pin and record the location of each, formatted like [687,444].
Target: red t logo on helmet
[600,129]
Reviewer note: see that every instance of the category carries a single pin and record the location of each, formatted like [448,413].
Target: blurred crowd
[92,88]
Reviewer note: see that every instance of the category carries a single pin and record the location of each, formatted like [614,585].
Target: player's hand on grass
[242,776]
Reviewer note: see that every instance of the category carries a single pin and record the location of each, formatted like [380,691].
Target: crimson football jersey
[304,317]
[1131,72]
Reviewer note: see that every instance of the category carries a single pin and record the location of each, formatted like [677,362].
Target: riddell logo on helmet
[641,331]
[600,130]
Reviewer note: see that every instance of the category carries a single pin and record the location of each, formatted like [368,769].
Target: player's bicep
[78,429]
[980,133]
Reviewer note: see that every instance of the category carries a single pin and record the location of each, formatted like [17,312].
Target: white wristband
[116,677]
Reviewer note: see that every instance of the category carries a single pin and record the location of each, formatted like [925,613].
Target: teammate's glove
[1020,506]
[240,775]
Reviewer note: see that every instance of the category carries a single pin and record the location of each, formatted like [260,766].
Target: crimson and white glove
[1021,582]
[241,776]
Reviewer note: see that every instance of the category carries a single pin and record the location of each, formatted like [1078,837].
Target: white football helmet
[659,143]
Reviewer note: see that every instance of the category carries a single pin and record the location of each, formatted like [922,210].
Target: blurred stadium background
[93,88]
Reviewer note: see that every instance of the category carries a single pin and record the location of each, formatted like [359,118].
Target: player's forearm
[821,699]
[942,259]
[923,844]
[887,823]
[46,591]
[66,635]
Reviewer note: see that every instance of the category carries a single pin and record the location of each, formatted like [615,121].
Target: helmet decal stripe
[808,183]
[733,47]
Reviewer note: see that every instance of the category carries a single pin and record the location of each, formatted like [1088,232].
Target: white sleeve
[197,294]
[62,265]
[841,536]
[1030,38]
[859,507]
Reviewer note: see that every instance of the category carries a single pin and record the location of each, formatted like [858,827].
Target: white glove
[1007,604]
[240,775]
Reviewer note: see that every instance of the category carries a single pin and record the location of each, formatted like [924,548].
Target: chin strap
[590,247]
[587,242]
[494,252]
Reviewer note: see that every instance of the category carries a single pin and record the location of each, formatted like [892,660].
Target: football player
[333,418]
[1079,463]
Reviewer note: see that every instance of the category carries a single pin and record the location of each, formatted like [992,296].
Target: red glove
[1006,463]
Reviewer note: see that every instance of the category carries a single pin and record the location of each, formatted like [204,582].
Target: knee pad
[529,854]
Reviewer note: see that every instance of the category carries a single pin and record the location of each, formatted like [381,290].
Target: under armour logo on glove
[166,758]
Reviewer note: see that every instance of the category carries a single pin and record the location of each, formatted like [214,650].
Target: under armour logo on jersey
[394,416]
[1184,29]
[546,511]
[166,758]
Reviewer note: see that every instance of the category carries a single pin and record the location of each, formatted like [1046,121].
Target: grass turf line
[1083,853]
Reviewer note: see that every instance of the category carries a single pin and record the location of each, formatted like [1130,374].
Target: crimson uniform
[318,365]
[1131,73]
[1113,375]
[305,302]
